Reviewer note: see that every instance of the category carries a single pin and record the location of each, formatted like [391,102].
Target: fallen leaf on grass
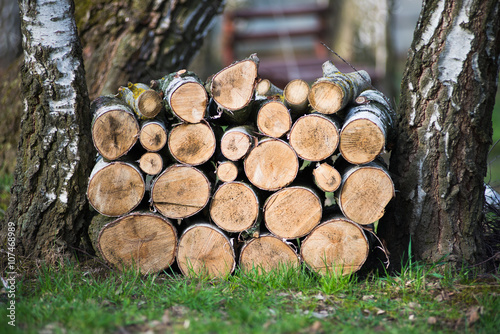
[432,320]
[474,314]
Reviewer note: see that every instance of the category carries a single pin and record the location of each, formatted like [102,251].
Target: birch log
[227,171]
[151,163]
[335,90]
[153,135]
[184,95]
[233,88]
[273,118]
[271,165]
[204,250]
[266,253]
[192,144]
[144,241]
[292,212]
[145,102]
[237,142]
[235,207]
[315,137]
[296,94]
[326,177]
[367,128]
[338,245]
[180,191]
[365,192]
[114,127]
[115,188]
[265,88]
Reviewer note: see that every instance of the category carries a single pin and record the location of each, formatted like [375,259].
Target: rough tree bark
[445,129]
[48,204]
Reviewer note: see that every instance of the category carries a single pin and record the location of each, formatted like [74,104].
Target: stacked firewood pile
[236,170]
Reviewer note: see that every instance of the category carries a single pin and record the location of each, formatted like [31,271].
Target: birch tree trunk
[48,204]
[445,129]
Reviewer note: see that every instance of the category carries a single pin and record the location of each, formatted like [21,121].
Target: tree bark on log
[368,128]
[267,253]
[143,241]
[145,102]
[335,90]
[184,95]
[337,245]
[235,207]
[115,188]
[114,127]
[271,165]
[180,191]
[192,144]
[292,212]
[273,118]
[205,250]
[365,192]
[315,137]
[48,205]
[265,88]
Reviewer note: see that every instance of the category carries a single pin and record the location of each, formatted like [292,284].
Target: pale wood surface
[227,171]
[192,144]
[327,177]
[153,136]
[237,142]
[151,163]
[273,119]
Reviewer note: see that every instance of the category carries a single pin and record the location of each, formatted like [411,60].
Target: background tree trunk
[445,129]
[48,204]
[123,40]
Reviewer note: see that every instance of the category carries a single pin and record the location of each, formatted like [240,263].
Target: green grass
[91,299]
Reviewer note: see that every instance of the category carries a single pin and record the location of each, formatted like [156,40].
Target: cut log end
[326,97]
[115,188]
[149,103]
[267,253]
[180,192]
[143,241]
[365,193]
[236,143]
[361,141]
[326,177]
[292,212]
[338,246]
[153,136]
[296,94]
[234,207]
[273,119]
[314,137]
[114,132]
[189,102]
[271,165]
[205,250]
[233,87]
[192,144]
[227,171]
[151,163]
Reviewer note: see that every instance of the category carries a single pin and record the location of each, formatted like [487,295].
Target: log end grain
[273,119]
[151,163]
[180,192]
[365,193]
[271,165]
[234,207]
[236,144]
[114,132]
[292,212]
[326,97]
[337,246]
[233,87]
[153,136]
[327,177]
[205,250]
[267,253]
[149,103]
[142,241]
[314,137]
[227,171]
[189,102]
[296,94]
[115,189]
[192,144]
[361,141]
